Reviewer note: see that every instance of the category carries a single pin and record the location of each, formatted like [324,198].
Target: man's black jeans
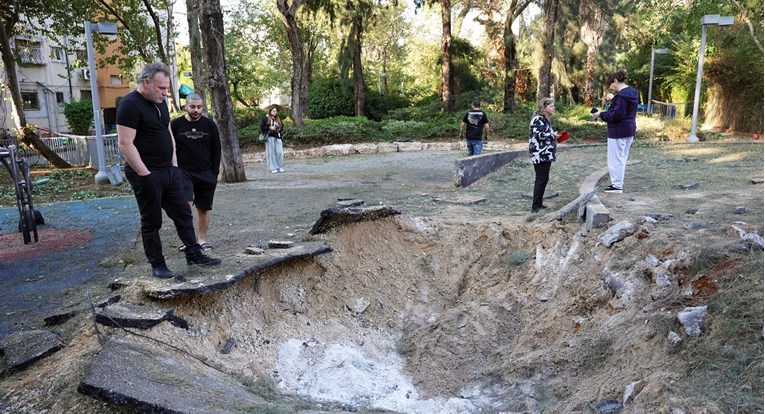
[162,190]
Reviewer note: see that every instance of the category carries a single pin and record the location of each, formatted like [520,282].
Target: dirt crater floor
[462,307]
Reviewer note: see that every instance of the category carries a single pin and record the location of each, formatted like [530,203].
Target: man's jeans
[474,147]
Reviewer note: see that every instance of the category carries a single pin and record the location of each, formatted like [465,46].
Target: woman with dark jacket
[620,118]
[543,143]
[272,127]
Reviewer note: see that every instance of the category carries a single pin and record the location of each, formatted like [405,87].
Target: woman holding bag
[271,126]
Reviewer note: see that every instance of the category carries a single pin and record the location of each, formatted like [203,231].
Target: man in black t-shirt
[475,128]
[145,140]
[197,144]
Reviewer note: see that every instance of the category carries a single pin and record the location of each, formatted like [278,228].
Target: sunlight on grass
[730,157]
[699,151]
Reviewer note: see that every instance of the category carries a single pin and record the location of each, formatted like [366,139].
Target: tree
[299,98]
[140,41]
[548,48]
[447,75]
[40,16]
[515,9]
[594,23]
[198,67]
[211,24]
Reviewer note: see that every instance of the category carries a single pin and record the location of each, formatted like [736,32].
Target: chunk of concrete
[597,215]
[617,232]
[693,320]
[22,349]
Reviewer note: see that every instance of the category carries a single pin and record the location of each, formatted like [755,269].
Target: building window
[60,98]
[57,54]
[82,57]
[31,100]
[29,51]
[85,95]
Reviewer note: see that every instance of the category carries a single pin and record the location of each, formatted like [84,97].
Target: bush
[338,130]
[378,106]
[244,117]
[248,136]
[328,98]
[79,115]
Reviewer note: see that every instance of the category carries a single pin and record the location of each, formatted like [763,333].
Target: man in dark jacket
[145,140]
[620,118]
[197,143]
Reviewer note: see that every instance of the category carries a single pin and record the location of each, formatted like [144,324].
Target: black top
[475,119]
[197,144]
[152,137]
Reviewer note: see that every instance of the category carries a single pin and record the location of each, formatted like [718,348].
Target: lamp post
[707,20]
[650,76]
[107,29]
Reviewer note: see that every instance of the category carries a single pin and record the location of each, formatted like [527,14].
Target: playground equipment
[19,171]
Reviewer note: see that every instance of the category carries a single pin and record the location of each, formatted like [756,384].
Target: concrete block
[597,215]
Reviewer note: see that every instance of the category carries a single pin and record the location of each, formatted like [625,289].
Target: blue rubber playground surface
[36,287]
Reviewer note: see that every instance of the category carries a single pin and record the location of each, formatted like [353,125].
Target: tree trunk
[594,23]
[299,98]
[548,49]
[359,88]
[447,76]
[211,23]
[198,69]
[28,136]
[511,65]
[466,6]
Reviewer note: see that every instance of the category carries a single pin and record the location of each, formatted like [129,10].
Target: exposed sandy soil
[455,306]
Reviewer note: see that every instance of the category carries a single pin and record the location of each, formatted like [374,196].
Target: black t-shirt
[197,144]
[150,121]
[475,120]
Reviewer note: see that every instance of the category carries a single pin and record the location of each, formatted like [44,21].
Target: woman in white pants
[272,126]
[620,118]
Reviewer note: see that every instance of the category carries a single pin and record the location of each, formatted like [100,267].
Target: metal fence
[80,151]
[669,109]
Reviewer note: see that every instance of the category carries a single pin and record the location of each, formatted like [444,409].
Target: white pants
[274,153]
[618,151]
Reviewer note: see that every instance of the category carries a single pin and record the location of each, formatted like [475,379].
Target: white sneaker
[274,171]
[612,189]
[281,170]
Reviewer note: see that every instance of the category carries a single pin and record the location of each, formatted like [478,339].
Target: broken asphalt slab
[338,216]
[149,378]
[160,289]
[22,349]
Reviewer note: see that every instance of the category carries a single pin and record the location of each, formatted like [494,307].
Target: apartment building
[52,72]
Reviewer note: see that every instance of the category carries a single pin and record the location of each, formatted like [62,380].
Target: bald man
[197,144]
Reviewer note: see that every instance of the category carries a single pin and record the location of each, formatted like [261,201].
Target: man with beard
[197,143]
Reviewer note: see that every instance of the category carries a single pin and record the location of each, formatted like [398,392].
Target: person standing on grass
[475,128]
[197,144]
[146,141]
[543,144]
[620,118]
[272,126]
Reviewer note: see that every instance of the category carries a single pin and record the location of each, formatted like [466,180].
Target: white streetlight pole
[650,76]
[709,19]
[102,28]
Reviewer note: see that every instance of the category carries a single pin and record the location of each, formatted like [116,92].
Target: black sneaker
[612,189]
[162,272]
[202,260]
